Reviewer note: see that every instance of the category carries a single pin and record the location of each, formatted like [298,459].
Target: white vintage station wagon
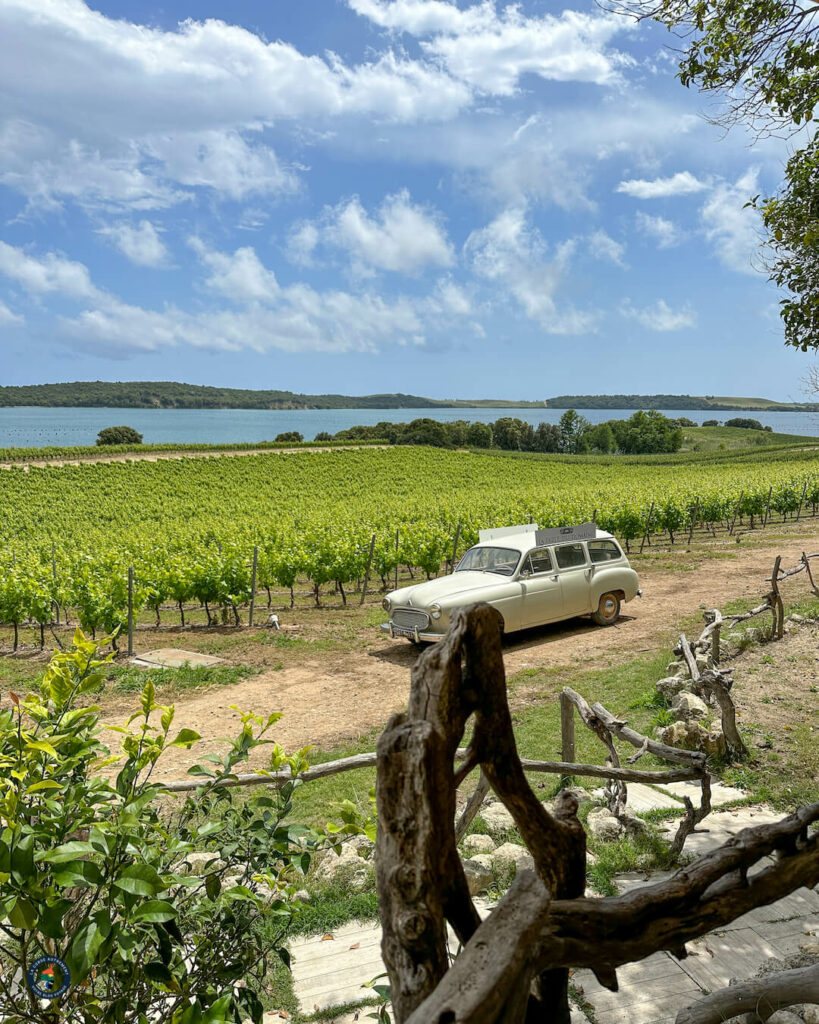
[530,576]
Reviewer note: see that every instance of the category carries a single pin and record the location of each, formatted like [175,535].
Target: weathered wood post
[397,540]
[455,544]
[54,578]
[130,612]
[768,505]
[693,520]
[253,586]
[367,572]
[566,734]
[648,527]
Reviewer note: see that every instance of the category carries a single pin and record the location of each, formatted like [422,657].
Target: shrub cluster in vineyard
[188,527]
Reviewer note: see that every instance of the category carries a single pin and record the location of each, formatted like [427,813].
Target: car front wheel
[608,610]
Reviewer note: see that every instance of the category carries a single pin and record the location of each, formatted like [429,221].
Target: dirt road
[330,699]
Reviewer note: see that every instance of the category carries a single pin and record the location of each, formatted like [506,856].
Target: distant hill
[687,402]
[171,395]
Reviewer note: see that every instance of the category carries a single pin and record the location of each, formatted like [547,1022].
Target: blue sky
[360,196]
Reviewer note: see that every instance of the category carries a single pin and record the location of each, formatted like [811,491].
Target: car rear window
[604,551]
[570,555]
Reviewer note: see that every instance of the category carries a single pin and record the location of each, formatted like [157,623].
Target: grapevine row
[68,535]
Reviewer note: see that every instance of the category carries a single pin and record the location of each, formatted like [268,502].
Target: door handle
[555,578]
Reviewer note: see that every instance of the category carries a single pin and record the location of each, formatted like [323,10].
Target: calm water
[37,427]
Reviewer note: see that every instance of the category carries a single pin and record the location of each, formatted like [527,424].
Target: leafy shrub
[290,435]
[745,422]
[710,423]
[98,872]
[119,435]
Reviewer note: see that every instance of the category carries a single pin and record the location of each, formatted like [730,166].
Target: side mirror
[525,574]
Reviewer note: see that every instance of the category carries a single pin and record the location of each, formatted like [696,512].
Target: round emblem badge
[49,977]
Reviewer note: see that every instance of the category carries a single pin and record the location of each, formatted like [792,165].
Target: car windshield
[500,560]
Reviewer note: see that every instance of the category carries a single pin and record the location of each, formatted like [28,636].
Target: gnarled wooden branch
[761,998]
[693,816]
[420,878]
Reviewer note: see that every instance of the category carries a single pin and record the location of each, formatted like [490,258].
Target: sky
[360,196]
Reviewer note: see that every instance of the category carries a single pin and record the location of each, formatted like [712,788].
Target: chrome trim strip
[430,638]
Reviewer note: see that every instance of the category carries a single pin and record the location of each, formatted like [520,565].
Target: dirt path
[165,455]
[331,699]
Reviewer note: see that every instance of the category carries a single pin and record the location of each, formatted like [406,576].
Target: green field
[188,527]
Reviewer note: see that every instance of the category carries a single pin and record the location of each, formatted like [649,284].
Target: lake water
[37,427]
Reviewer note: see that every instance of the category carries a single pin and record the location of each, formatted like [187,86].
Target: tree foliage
[762,57]
[119,435]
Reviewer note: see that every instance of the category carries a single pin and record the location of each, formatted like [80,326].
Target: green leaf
[50,921]
[212,886]
[83,951]
[23,915]
[77,873]
[154,912]
[67,852]
[22,860]
[159,973]
[42,745]
[185,738]
[218,1011]
[139,880]
[45,784]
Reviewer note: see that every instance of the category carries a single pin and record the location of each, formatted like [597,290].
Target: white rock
[511,854]
[332,863]
[199,863]
[478,844]
[603,826]
[809,1011]
[784,1017]
[677,668]
[670,686]
[497,818]
[478,871]
[302,896]
[688,705]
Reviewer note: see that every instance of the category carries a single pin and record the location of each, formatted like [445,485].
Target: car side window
[569,556]
[538,561]
[604,551]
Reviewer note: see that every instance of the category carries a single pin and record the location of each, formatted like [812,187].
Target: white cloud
[510,253]
[52,273]
[604,247]
[491,50]
[681,184]
[664,232]
[730,227]
[400,237]
[9,318]
[305,321]
[167,111]
[302,242]
[142,244]
[660,316]
[240,276]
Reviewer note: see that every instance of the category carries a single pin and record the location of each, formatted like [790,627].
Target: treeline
[170,395]
[642,433]
[689,402]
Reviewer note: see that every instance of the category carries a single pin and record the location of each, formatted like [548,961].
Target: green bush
[119,435]
[97,871]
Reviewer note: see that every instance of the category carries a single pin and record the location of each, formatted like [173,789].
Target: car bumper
[397,632]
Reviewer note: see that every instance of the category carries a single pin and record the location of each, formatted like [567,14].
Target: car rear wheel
[608,610]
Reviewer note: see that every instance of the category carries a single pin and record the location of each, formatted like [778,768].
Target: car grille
[411,618]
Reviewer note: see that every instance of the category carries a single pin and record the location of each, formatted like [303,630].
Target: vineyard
[188,528]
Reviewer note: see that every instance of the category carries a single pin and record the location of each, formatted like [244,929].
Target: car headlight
[435,611]
[386,604]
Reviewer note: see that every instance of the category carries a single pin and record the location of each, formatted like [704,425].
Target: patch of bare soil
[163,456]
[337,696]
[778,686]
